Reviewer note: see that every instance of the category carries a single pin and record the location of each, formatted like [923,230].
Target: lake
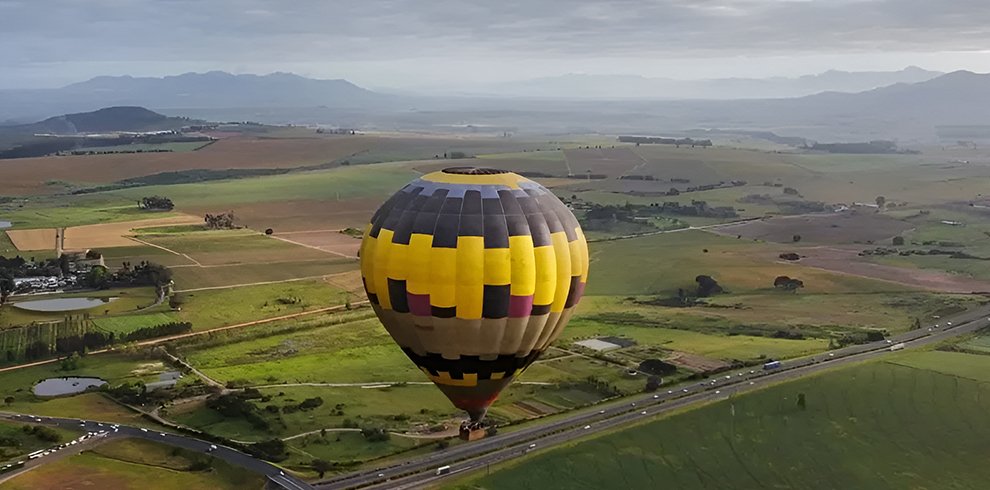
[61,304]
[66,386]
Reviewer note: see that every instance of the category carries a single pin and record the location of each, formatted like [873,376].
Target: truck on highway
[897,346]
[443,470]
[771,365]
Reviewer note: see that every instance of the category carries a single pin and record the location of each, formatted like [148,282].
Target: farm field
[258,302]
[225,247]
[175,146]
[870,410]
[132,464]
[188,279]
[673,260]
[28,176]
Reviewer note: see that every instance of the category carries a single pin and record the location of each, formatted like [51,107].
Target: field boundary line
[286,240]
[338,230]
[294,279]
[194,261]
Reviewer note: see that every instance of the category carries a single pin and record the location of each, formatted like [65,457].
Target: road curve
[610,416]
[232,456]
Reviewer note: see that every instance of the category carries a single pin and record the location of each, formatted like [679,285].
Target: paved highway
[227,454]
[422,471]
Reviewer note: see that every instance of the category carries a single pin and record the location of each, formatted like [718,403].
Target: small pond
[61,304]
[66,386]
[5,224]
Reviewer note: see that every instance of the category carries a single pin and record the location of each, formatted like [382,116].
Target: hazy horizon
[406,45]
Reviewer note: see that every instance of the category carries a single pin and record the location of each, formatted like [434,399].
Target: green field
[187,278]
[344,182]
[250,303]
[16,442]
[129,323]
[135,464]
[864,427]
[75,210]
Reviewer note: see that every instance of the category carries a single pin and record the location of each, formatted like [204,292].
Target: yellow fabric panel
[546,275]
[470,276]
[398,261]
[523,265]
[509,179]
[498,267]
[443,273]
[367,262]
[380,266]
[583,250]
[418,270]
[562,254]
[497,375]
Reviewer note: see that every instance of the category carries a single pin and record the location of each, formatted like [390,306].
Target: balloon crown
[474,171]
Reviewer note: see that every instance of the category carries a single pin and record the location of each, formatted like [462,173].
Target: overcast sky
[452,43]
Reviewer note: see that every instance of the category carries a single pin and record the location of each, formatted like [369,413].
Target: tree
[97,277]
[707,286]
[898,241]
[796,238]
[269,231]
[156,203]
[8,400]
[801,402]
[63,264]
[321,466]
[881,202]
[787,283]
[6,286]
[653,383]
[658,367]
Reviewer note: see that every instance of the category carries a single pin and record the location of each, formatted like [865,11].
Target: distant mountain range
[578,86]
[103,120]
[210,90]
[911,110]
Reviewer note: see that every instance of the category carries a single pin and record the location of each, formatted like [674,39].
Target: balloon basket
[472,431]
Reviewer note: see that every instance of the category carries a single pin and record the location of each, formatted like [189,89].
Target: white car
[656,396]
[601,411]
[728,377]
[670,392]
[948,323]
[587,427]
[750,382]
[717,392]
[162,434]
[144,430]
[643,412]
[531,446]
[213,447]
[684,390]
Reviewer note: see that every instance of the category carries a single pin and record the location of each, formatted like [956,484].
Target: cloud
[255,33]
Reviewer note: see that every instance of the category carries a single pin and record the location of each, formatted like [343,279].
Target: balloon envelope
[473,272]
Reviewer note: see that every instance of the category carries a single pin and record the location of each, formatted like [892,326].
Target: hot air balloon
[473,272]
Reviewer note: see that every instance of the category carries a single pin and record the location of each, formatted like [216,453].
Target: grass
[241,274]
[250,303]
[235,247]
[25,442]
[65,211]
[130,323]
[345,182]
[132,464]
[879,414]
[670,261]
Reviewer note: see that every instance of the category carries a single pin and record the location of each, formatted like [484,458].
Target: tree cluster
[165,329]
[658,367]
[707,286]
[157,203]
[222,221]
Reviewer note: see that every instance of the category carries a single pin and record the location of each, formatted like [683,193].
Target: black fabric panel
[539,310]
[571,293]
[452,205]
[397,296]
[496,232]
[439,312]
[445,234]
[517,225]
[567,220]
[402,201]
[472,202]
[538,228]
[471,225]
[505,364]
[496,302]
[405,227]
[426,220]
[547,207]
[509,203]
